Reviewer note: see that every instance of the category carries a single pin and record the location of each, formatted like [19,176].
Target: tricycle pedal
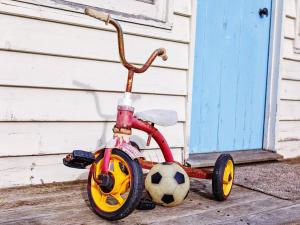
[146,204]
[79,159]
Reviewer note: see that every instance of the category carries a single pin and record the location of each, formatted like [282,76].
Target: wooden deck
[240,157]
[67,204]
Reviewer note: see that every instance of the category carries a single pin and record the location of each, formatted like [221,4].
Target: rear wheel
[223,175]
[120,198]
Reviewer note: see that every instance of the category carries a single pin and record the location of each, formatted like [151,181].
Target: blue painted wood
[229,87]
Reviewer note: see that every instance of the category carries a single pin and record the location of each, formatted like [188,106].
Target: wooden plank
[52,138]
[239,157]
[290,8]
[288,139]
[32,104]
[71,41]
[38,192]
[289,28]
[289,90]
[183,7]
[290,149]
[39,205]
[27,205]
[59,72]
[36,170]
[288,131]
[288,50]
[35,193]
[180,28]
[18,171]
[289,110]
[198,201]
[226,213]
[282,215]
[290,69]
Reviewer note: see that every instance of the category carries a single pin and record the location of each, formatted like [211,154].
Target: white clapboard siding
[290,8]
[180,28]
[288,50]
[183,7]
[16,171]
[288,125]
[289,110]
[156,155]
[23,69]
[71,41]
[61,79]
[290,69]
[289,149]
[289,28]
[34,104]
[289,131]
[290,89]
[46,169]
[35,138]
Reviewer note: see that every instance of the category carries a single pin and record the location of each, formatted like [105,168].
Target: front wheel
[223,175]
[119,199]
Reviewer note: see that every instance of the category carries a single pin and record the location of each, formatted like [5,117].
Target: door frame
[275,46]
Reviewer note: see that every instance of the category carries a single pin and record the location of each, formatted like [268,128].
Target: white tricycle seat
[158,116]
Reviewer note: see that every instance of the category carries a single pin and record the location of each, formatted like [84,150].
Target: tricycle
[115,181]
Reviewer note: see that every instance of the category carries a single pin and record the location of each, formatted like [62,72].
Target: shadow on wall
[108,117]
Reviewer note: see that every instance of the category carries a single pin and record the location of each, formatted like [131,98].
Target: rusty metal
[69,157]
[124,117]
[129,81]
[197,173]
[149,137]
[146,164]
[191,172]
[156,135]
[131,68]
[158,52]
[122,131]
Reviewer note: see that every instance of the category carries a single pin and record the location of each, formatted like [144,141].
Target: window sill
[79,8]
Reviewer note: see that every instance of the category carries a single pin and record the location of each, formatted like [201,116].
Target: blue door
[230,75]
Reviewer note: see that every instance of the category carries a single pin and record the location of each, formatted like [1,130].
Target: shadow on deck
[66,203]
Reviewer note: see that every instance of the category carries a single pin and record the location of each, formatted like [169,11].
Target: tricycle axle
[192,172]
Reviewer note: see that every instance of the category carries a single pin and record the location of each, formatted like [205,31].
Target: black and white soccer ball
[167,184]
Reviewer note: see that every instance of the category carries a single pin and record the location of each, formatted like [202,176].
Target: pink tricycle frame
[126,120]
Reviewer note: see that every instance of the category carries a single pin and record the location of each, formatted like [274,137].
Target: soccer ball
[167,184]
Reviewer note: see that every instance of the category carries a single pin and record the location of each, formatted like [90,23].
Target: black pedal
[146,204]
[79,159]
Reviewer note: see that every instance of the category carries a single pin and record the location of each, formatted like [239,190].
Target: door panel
[229,87]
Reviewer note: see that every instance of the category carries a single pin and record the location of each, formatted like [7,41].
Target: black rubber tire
[217,177]
[135,194]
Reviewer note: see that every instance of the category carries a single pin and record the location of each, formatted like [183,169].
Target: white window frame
[157,14]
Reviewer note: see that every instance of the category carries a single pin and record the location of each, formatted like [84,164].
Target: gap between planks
[87,58]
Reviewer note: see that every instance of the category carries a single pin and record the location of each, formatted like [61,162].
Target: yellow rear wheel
[223,176]
[120,198]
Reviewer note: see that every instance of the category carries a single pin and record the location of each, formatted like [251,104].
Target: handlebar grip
[163,54]
[164,57]
[105,17]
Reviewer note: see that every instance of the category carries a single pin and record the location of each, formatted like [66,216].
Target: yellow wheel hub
[114,199]
[228,177]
